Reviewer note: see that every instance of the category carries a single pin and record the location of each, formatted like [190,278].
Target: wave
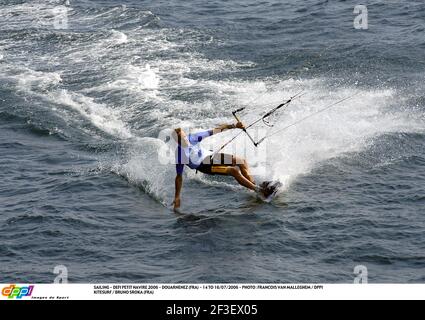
[46,86]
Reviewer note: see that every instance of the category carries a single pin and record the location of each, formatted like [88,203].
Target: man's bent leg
[243,165]
[234,171]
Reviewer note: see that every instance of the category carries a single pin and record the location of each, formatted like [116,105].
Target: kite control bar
[244,129]
[256,143]
[263,118]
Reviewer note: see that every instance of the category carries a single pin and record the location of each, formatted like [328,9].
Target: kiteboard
[272,188]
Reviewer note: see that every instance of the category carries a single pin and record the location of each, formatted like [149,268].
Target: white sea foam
[136,78]
[118,38]
[35,14]
[30,80]
[45,86]
[142,168]
[101,116]
[37,80]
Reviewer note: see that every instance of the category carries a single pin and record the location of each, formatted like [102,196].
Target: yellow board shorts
[219,164]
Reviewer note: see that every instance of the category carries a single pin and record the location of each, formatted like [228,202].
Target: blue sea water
[84,99]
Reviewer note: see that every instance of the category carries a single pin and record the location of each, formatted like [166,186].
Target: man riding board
[190,153]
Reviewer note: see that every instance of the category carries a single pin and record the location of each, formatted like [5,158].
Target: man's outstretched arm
[178,186]
[224,127]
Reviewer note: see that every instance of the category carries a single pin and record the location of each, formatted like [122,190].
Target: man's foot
[265,189]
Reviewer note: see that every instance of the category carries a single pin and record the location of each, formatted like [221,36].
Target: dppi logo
[13,291]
